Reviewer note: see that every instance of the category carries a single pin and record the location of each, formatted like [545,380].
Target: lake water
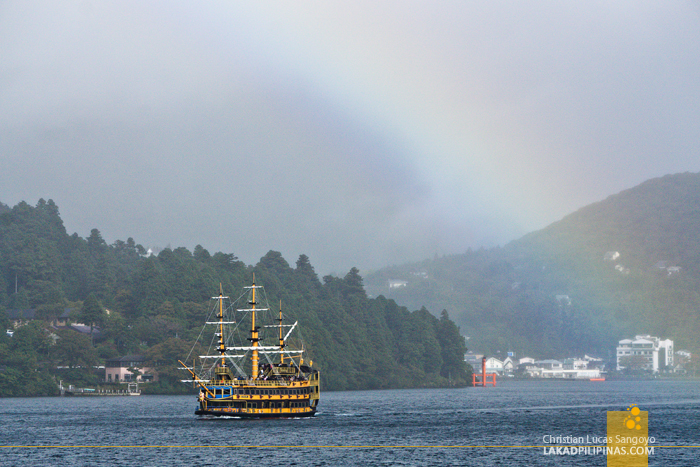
[394,428]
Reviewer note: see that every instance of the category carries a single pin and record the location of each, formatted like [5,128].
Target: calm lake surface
[392,428]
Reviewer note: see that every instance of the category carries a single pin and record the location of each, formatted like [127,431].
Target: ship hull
[237,414]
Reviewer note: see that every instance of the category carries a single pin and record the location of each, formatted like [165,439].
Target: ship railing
[263,382]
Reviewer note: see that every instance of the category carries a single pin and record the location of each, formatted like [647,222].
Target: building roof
[128,358]
[81,328]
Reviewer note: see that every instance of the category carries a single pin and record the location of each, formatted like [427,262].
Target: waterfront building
[509,365]
[646,352]
[117,369]
[549,364]
[526,361]
[494,365]
[575,364]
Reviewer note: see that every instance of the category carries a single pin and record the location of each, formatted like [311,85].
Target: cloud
[359,134]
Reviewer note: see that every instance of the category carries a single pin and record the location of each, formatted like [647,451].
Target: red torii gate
[487,379]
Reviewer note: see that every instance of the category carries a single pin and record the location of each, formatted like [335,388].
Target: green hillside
[554,292]
[157,305]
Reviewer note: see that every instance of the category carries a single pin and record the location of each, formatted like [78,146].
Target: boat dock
[131,390]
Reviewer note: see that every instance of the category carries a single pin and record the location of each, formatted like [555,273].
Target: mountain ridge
[553,291]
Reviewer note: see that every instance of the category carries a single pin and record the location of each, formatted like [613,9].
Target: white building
[559,370]
[526,361]
[117,369]
[549,364]
[575,364]
[652,353]
[494,365]
[509,365]
[536,372]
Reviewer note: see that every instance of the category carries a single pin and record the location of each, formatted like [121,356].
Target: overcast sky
[362,133]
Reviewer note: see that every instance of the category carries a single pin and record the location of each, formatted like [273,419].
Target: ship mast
[281,338]
[222,345]
[254,339]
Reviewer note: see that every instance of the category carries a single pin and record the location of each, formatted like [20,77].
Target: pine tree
[91,313]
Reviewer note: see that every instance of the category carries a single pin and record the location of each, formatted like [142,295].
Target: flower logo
[633,419]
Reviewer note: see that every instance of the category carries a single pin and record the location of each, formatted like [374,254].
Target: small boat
[232,379]
[597,380]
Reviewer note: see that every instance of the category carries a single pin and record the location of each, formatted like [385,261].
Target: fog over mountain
[623,266]
[361,134]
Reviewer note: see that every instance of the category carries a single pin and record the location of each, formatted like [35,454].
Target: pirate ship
[242,375]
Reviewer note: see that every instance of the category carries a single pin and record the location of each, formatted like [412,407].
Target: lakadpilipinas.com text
[598,445]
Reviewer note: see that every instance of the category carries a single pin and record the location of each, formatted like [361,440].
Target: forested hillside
[155,305]
[627,265]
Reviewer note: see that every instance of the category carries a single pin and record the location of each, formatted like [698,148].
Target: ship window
[247,391]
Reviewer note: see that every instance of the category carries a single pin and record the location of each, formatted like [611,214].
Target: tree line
[156,304]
